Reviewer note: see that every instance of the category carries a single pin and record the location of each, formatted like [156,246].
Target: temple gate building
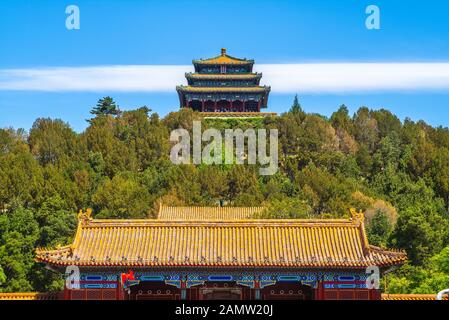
[204,253]
[223,84]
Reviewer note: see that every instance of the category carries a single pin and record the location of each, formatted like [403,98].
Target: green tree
[366,128]
[2,277]
[440,262]
[440,172]
[317,135]
[341,120]
[213,184]
[388,153]
[428,279]
[364,160]
[106,106]
[18,239]
[52,141]
[420,233]
[121,197]
[296,108]
[22,175]
[243,186]
[107,136]
[57,222]
[287,208]
[145,135]
[386,122]
[379,229]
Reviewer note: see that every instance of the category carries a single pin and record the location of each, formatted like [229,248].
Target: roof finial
[223,51]
[85,216]
[357,215]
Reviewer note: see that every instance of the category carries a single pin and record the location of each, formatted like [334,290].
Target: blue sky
[33,36]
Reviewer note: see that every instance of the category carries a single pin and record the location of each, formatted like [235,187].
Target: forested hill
[398,172]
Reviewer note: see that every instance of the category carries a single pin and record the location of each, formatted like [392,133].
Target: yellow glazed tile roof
[338,243]
[207,213]
[27,296]
[19,296]
[223,89]
[386,296]
[223,59]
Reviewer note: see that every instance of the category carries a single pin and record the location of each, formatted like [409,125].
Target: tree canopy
[396,171]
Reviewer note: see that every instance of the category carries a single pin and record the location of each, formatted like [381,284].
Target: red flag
[127,276]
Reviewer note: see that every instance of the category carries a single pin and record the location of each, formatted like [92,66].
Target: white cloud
[101,78]
[283,78]
[357,77]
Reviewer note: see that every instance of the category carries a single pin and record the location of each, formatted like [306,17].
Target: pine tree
[106,106]
[296,107]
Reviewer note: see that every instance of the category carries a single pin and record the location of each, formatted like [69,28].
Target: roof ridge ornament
[223,51]
[85,216]
[357,215]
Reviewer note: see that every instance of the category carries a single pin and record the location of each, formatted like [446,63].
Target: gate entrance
[222,291]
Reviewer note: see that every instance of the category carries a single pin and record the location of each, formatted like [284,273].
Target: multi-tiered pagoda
[224,84]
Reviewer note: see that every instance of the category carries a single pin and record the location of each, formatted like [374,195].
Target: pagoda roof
[223,89]
[244,114]
[223,59]
[225,76]
[187,242]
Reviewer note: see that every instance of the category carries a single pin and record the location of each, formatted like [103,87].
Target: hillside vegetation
[397,172]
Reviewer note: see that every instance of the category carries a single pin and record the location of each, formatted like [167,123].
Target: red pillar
[232,106]
[120,291]
[66,293]
[375,294]
[258,105]
[319,292]
[202,105]
[215,106]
